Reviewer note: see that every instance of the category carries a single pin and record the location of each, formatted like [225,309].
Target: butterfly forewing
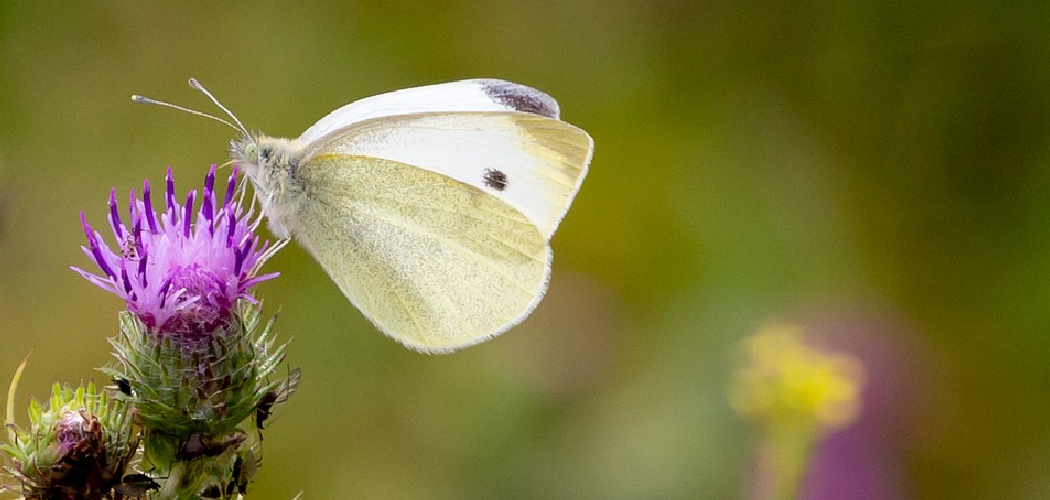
[479,94]
[533,163]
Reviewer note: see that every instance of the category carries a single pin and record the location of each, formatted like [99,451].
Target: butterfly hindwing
[435,263]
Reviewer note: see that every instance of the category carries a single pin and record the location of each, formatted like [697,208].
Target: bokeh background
[874,171]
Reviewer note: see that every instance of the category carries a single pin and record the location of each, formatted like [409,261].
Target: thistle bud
[76,448]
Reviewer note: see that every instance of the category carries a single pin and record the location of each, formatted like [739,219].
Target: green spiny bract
[208,385]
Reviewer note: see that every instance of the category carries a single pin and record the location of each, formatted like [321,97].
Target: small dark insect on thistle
[242,486]
[279,394]
[200,445]
[136,485]
[239,478]
[129,248]
[244,469]
[123,385]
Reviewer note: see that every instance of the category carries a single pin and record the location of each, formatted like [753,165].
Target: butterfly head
[272,164]
[273,167]
[245,155]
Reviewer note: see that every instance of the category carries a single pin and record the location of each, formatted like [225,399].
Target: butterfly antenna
[197,85]
[146,100]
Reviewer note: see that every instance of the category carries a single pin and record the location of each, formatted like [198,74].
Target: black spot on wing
[495,179]
[520,98]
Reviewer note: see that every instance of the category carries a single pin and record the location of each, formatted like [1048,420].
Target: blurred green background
[877,172]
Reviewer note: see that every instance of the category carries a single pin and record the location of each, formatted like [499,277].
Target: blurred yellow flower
[786,381]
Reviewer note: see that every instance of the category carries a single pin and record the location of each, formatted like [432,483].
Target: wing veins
[418,229]
[463,249]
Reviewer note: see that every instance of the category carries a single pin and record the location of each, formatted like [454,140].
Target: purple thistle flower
[180,276]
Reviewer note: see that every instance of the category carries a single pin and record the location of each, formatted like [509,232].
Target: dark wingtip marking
[520,97]
[495,179]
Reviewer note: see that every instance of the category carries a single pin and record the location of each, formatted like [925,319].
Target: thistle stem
[177,486]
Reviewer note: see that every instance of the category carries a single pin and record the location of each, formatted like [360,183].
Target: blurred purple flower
[866,461]
[180,276]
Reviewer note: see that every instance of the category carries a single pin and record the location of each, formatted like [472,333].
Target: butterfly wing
[408,218]
[434,263]
[530,162]
[481,94]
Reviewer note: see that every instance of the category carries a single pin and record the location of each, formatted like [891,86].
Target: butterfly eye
[251,151]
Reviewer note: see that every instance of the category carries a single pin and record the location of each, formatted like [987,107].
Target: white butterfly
[431,207]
